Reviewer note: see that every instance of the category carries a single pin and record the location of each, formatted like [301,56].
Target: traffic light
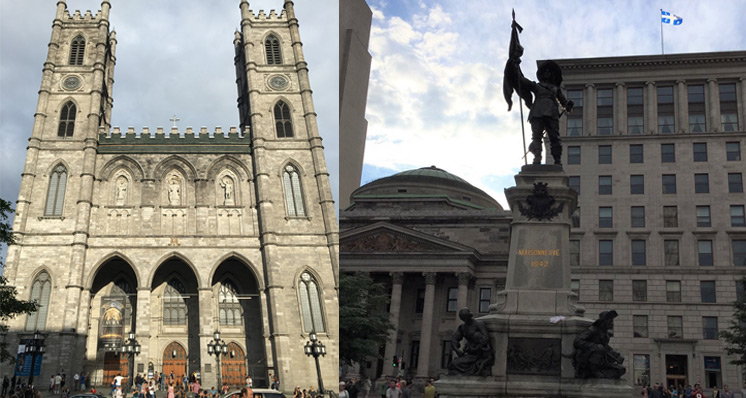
[395,362]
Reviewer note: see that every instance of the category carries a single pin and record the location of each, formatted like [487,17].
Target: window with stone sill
[671,252]
[283,120]
[707,291]
[636,153]
[66,128]
[56,192]
[699,150]
[605,252]
[669,183]
[668,153]
[41,289]
[640,326]
[637,184]
[77,51]
[703,216]
[640,290]
[311,304]
[739,252]
[605,290]
[485,297]
[272,49]
[675,327]
[452,301]
[673,291]
[735,182]
[737,218]
[670,216]
[733,151]
[638,216]
[639,252]
[710,328]
[701,183]
[293,192]
[704,253]
[174,303]
[604,185]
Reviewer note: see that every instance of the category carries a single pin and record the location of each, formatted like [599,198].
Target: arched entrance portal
[234,366]
[174,361]
[114,364]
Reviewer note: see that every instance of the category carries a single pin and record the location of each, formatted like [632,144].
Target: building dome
[427,183]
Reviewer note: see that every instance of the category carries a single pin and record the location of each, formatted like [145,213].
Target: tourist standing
[429,390]
[343,393]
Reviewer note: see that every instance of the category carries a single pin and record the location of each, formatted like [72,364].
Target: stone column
[423,364]
[714,104]
[463,291]
[397,278]
[682,107]
[620,109]
[651,108]
[589,110]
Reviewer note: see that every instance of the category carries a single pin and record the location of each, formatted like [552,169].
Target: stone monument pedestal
[535,320]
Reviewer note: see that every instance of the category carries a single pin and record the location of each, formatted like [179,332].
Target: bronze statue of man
[477,357]
[544,114]
[593,358]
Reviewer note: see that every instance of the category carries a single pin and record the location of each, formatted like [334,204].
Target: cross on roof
[174,119]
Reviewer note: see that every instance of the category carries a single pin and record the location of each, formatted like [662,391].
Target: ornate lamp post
[34,347]
[316,349]
[217,347]
[131,348]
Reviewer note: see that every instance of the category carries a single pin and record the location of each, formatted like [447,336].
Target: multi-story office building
[654,148]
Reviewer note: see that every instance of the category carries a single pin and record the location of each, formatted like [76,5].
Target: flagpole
[661,18]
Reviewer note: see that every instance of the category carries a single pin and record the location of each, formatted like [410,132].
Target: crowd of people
[696,391]
[391,388]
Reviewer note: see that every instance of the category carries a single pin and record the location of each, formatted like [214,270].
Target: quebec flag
[666,18]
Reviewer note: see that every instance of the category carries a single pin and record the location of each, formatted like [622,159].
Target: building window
[310,304]
[452,301]
[735,183]
[67,120]
[604,154]
[641,369]
[228,306]
[635,153]
[665,110]
[606,290]
[293,192]
[77,50]
[710,327]
[675,327]
[574,252]
[575,218]
[728,107]
[56,192]
[696,94]
[41,289]
[638,252]
[575,286]
[640,290]
[703,216]
[668,153]
[604,185]
[707,291]
[704,252]
[605,252]
[485,296]
[737,218]
[272,48]
[573,155]
[419,304]
[575,120]
[283,120]
[733,151]
[670,217]
[671,252]
[605,217]
[637,184]
[638,216]
[739,252]
[174,303]
[605,111]
[713,373]
[574,183]
[702,183]
[635,117]
[669,183]
[700,151]
[445,360]
[640,326]
[414,354]
[673,291]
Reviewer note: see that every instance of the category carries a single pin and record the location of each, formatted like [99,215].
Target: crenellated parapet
[87,17]
[273,16]
[160,140]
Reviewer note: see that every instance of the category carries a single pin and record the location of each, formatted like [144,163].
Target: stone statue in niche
[226,184]
[477,357]
[174,190]
[122,186]
[593,358]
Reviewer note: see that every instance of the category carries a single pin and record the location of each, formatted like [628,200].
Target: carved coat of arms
[541,205]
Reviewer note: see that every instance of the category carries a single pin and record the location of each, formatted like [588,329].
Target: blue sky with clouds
[435,93]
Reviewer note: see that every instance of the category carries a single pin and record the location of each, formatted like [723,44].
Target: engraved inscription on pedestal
[538,259]
[534,356]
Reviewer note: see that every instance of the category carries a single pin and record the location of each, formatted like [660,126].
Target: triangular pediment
[384,237]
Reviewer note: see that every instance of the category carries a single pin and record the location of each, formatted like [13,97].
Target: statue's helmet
[549,71]
[605,316]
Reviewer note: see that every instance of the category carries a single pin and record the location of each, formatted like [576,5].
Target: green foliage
[735,335]
[364,323]
[10,306]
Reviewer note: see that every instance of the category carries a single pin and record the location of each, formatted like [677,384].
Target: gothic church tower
[170,236]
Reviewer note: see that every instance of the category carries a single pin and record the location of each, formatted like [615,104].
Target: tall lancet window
[67,120]
[310,304]
[283,121]
[293,193]
[229,307]
[174,304]
[77,50]
[272,48]
[56,192]
[40,291]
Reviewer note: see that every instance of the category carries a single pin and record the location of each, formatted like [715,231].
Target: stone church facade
[174,235]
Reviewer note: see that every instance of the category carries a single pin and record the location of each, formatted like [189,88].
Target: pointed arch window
[228,306]
[77,50]
[174,304]
[272,48]
[40,291]
[293,192]
[56,192]
[283,121]
[67,120]
[310,304]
